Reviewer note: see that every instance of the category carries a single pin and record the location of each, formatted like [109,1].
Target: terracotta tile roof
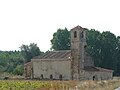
[62,54]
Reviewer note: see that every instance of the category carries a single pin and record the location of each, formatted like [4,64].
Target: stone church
[74,64]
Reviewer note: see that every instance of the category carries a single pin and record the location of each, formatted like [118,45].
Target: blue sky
[27,21]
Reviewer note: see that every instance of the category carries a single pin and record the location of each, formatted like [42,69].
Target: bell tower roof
[78,28]
[78,35]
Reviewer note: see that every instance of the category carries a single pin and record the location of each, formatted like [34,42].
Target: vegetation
[103,47]
[58,85]
[10,60]
[61,40]
[13,61]
[30,51]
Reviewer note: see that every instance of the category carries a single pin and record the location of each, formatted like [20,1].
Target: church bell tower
[78,43]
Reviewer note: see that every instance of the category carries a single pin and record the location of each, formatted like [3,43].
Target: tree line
[103,47]
[13,61]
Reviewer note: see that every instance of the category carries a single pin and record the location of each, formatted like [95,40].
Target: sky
[28,21]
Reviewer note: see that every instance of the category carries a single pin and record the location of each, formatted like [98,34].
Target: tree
[13,61]
[9,60]
[94,45]
[30,51]
[103,47]
[108,50]
[118,56]
[18,70]
[61,40]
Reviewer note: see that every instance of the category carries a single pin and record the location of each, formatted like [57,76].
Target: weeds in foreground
[58,85]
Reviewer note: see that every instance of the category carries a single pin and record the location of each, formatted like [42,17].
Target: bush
[18,70]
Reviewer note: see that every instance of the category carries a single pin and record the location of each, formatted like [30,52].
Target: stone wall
[52,69]
[97,75]
[28,70]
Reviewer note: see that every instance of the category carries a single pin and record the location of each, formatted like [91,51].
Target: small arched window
[85,46]
[75,34]
[81,35]
[93,78]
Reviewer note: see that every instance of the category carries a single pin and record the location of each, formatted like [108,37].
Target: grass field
[58,85]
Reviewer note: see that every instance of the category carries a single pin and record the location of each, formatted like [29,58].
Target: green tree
[30,51]
[13,61]
[118,56]
[18,70]
[103,47]
[108,50]
[9,60]
[61,40]
[94,45]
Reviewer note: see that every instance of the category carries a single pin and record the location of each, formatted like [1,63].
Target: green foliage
[118,56]
[22,85]
[103,47]
[61,40]
[94,45]
[13,61]
[109,44]
[30,51]
[18,70]
[9,60]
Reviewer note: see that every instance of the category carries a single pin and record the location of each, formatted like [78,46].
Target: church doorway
[60,77]
[93,78]
[51,76]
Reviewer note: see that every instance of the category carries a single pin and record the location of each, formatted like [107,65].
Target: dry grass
[58,85]
[98,85]
[83,85]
